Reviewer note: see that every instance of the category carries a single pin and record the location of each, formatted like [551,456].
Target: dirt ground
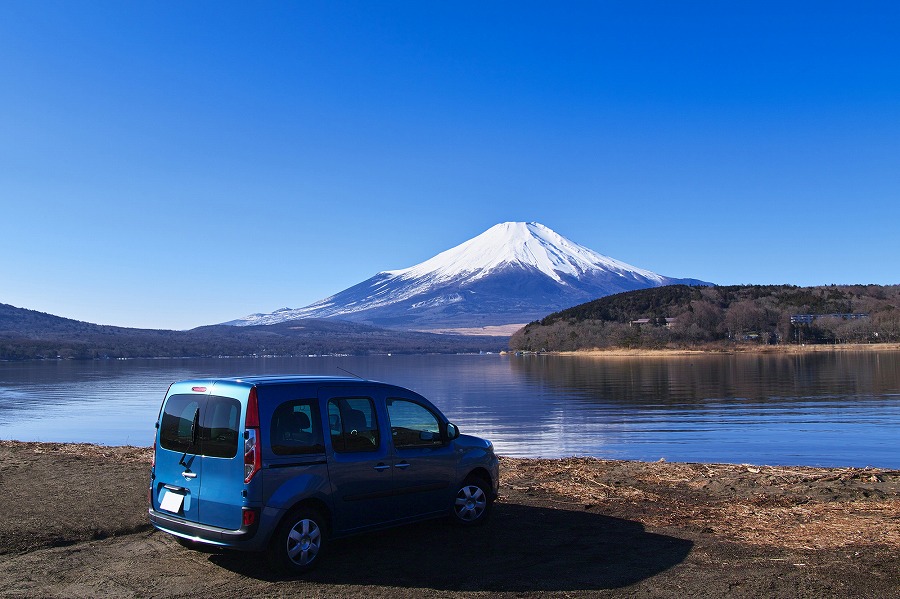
[73,523]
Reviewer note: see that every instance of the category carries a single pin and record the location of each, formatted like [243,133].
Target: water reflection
[688,379]
[818,409]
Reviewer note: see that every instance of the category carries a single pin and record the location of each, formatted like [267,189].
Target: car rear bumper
[242,538]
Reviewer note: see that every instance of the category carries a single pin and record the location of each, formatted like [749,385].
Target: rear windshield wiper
[195,428]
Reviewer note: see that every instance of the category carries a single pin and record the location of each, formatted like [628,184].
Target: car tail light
[251,454]
[252,457]
[248,516]
[251,419]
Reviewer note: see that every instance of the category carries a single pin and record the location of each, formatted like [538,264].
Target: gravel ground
[74,524]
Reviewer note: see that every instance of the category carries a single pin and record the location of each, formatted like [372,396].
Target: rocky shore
[73,523]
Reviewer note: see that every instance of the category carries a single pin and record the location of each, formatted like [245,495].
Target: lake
[819,409]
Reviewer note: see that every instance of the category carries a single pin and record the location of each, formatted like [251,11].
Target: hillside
[27,334]
[683,316]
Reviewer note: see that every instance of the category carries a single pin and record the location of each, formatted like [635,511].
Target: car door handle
[381,467]
[189,474]
[402,465]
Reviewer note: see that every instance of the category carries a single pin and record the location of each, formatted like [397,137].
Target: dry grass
[814,526]
[799,508]
[122,454]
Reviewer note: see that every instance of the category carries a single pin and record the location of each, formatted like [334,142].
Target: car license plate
[171,502]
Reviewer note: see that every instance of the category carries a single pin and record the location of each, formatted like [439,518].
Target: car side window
[297,428]
[353,424]
[413,425]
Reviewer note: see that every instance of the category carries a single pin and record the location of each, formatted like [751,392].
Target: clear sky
[174,164]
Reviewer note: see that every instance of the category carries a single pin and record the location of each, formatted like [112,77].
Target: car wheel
[299,541]
[472,503]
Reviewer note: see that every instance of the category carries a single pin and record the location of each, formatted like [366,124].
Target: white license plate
[171,502]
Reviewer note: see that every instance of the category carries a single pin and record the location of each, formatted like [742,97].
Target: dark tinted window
[216,420]
[178,421]
[219,435]
[353,424]
[413,425]
[297,428]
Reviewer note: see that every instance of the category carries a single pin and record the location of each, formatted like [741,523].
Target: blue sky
[174,164]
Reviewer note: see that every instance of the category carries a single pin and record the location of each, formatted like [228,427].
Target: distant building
[640,321]
[809,318]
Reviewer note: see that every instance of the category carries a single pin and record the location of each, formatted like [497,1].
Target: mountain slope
[27,334]
[512,273]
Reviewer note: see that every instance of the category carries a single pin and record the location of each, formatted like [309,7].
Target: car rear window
[216,418]
[219,434]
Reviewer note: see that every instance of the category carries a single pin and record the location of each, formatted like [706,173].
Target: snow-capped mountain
[512,273]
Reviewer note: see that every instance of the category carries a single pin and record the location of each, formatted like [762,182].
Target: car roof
[220,384]
[276,379]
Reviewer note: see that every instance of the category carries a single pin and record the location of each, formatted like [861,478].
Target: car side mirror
[452,431]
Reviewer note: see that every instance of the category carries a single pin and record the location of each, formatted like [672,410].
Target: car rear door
[176,488]
[359,462]
[198,473]
[222,478]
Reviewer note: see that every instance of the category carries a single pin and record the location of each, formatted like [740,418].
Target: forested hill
[683,316]
[27,334]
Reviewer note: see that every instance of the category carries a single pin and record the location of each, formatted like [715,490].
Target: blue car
[285,463]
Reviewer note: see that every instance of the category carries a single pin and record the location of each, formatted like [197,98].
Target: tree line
[680,316]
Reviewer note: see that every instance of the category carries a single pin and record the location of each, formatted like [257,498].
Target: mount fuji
[512,273]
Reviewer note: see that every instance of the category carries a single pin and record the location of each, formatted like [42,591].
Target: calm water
[830,409]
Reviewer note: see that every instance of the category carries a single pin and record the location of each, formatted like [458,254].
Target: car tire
[299,541]
[472,502]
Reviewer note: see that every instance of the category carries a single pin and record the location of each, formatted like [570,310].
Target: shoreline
[138,453]
[598,352]
[726,351]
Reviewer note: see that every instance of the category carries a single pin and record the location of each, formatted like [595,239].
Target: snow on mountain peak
[513,272]
[516,244]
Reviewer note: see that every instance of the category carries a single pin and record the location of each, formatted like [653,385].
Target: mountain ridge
[28,334]
[512,273]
